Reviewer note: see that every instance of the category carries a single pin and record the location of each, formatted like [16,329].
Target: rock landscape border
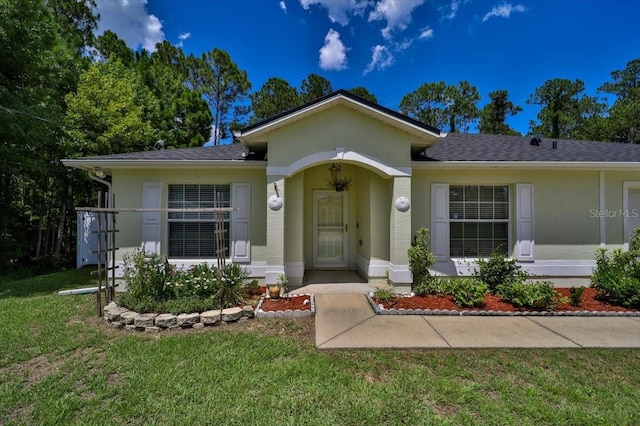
[381,310]
[121,317]
[288,313]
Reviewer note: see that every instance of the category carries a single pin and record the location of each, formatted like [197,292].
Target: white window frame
[463,221]
[196,260]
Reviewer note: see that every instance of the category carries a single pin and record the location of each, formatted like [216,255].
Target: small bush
[146,276]
[201,281]
[634,243]
[499,269]
[231,287]
[420,260]
[575,295]
[617,277]
[469,292]
[156,286]
[188,305]
[138,304]
[535,295]
[434,285]
[384,294]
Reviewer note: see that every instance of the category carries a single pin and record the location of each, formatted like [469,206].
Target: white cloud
[450,11]
[397,13]
[504,11]
[381,58]
[333,55]
[403,45]
[130,20]
[425,33]
[283,6]
[182,37]
[339,10]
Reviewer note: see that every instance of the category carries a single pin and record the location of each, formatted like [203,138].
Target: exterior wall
[339,127]
[568,214]
[294,219]
[127,186]
[380,207]
[562,205]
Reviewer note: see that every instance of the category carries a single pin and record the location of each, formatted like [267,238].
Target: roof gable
[256,133]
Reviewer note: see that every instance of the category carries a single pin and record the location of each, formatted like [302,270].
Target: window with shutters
[191,235]
[478,220]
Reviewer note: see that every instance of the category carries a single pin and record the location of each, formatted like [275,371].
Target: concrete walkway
[347,321]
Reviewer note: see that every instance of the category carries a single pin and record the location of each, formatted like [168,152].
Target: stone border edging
[288,313]
[121,317]
[380,310]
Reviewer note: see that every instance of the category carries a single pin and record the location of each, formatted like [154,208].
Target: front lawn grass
[61,365]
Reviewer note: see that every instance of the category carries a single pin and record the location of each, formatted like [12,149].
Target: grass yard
[61,365]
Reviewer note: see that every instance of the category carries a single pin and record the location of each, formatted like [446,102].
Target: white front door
[329,219]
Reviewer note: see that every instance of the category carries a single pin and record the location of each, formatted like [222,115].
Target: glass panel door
[329,240]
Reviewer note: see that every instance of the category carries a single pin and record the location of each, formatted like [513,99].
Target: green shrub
[420,260]
[634,242]
[231,286]
[201,280]
[535,295]
[499,269]
[384,294]
[138,304]
[156,286]
[146,276]
[575,295]
[617,277]
[434,285]
[469,292]
[188,305]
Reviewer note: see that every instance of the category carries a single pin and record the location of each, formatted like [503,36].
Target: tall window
[478,220]
[191,235]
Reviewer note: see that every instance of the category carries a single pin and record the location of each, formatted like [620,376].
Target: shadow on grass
[47,283]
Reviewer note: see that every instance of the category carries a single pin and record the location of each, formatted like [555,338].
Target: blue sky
[393,46]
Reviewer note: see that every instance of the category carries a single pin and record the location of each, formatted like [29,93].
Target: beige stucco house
[548,203]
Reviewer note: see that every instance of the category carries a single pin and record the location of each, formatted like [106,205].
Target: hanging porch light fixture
[336,181]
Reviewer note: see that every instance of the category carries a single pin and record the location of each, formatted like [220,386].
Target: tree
[494,114]
[77,20]
[364,93]
[184,119]
[427,103]
[223,84]
[439,104]
[41,46]
[624,115]
[111,111]
[462,107]
[565,109]
[314,87]
[274,97]
[109,44]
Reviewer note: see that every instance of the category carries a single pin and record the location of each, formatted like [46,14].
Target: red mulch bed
[589,302]
[283,304]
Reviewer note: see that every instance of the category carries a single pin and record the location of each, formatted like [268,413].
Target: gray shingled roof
[221,152]
[476,147]
[454,147]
